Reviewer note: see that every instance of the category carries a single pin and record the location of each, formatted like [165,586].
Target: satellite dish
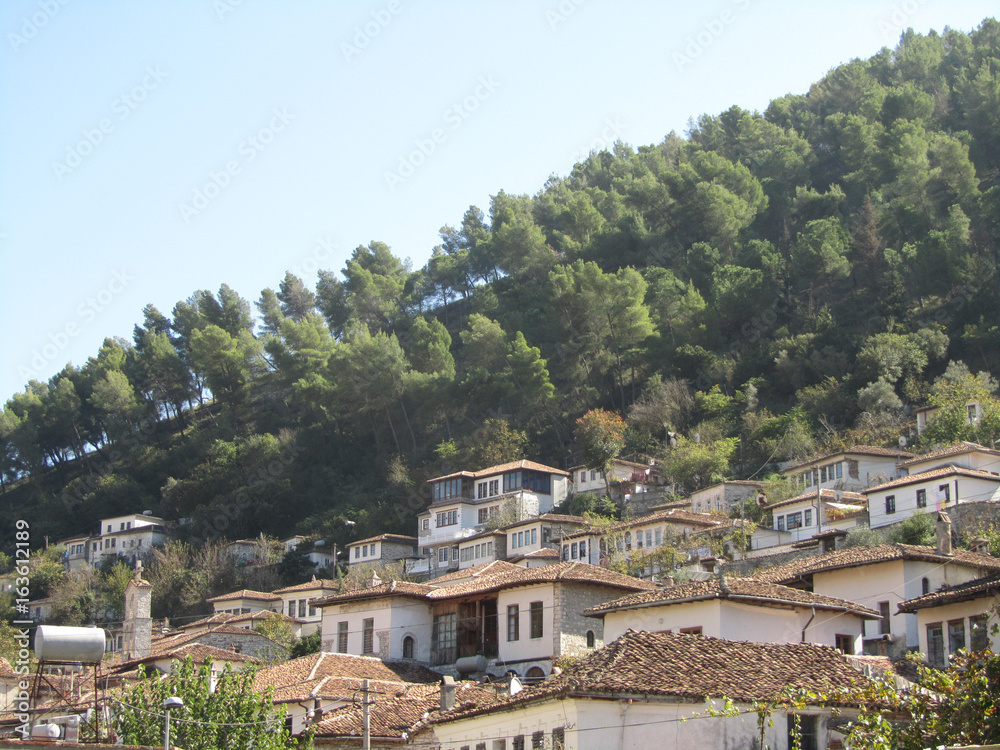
[838,496]
[902,441]
[697,437]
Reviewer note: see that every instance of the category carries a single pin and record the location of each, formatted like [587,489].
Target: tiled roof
[617,461]
[224,618]
[391,538]
[544,552]
[398,713]
[828,495]
[674,515]
[6,670]
[691,667]
[746,590]
[978,588]
[494,577]
[321,584]
[857,450]
[497,566]
[336,675]
[245,594]
[681,504]
[853,557]
[199,652]
[939,473]
[547,517]
[501,468]
[173,640]
[951,450]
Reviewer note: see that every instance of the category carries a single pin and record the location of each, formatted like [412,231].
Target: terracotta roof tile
[319,584]
[390,588]
[497,566]
[692,667]
[853,557]
[673,515]
[940,472]
[245,594]
[951,450]
[391,538]
[501,468]
[978,588]
[549,518]
[737,590]
[857,450]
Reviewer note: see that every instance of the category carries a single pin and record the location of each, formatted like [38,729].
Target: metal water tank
[60,643]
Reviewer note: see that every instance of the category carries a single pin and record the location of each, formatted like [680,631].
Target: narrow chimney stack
[981,545]
[943,534]
[447,692]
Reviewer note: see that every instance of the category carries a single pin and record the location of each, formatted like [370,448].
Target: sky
[152,149]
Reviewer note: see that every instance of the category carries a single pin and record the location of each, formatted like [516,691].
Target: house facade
[929,492]
[724,496]
[491,619]
[853,469]
[244,601]
[382,550]
[465,503]
[802,517]
[632,476]
[965,454]
[129,537]
[739,609]
[299,602]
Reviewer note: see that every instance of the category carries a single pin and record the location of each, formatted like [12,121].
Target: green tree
[232,715]
[600,436]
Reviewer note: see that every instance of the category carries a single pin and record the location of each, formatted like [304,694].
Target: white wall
[526,647]
[966,489]
[394,617]
[959,611]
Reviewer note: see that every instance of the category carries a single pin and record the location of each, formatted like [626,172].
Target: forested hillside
[772,282]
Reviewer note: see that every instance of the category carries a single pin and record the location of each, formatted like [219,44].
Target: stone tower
[138,626]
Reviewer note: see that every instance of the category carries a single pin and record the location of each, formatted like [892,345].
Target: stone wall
[571,599]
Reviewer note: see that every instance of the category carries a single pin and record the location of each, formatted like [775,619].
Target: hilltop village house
[494,619]
[853,469]
[802,517]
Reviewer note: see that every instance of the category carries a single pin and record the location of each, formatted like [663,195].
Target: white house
[659,690]
[880,578]
[384,549]
[635,476]
[739,609]
[465,502]
[853,469]
[722,497]
[128,537]
[78,551]
[802,517]
[495,618]
[965,454]
[299,601]
[929,491]
[956,617]
[244,601]
[927,414]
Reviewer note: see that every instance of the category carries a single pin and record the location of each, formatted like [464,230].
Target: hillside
[770,283]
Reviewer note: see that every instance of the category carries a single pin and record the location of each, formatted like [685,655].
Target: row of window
[594,475]
[791,521]
[642,538]
[489,488]
[477,551]
[298,608]
[574,551]
[365,550]
[943,496]
[122,527]
[535,620]
[443,554]
[827,473]
[979,638]
[517,742]
[485,514]
[447,518]
[523,538]
[448,488]
[367,636]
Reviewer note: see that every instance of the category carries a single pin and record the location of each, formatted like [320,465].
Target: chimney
[374,580]
[708,563]
[668,581]
[447,692]
[943,534]
[981,545]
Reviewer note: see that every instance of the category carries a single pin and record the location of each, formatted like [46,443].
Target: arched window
[590,639]
[535,674]
[408,647]
[925,586]
[628,540]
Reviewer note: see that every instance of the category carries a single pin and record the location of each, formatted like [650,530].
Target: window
[593,475]
[536,619]
[978,633]
[558,738]
[512,481]
[628,540]
[944,494]
[425,524]
[890,504]
[448,488]
[583,550]
[454,554]
[368,635]
[840,469]
[499,744]
[935,645]
[302,607]
[971,412]
[658,537]
[480,746]
[444,630]
[845,643]
[583,476]
[534,536]
[408,649]
[822,474]
[696,630]
[518,743]
[443,555]
[793,521]
[520,539]
[956,635]
[537,740]
[485,514]
[884,623]
[809,517]
[565,552]
[804,727]
[781,523]
[809,478]
[852,469]
[513,622]
[448,518]
[591,640]
[342,637]
[312,609]
[573,550]
[921,498]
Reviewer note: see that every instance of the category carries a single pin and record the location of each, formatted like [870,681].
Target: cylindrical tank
[45,732]
[470,664]
[59,643]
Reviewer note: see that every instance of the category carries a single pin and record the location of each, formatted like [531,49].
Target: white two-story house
[853,469]
[928,492]
[128,537]
[802,517]
[467,503]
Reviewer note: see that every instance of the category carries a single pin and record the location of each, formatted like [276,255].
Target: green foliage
[233,715]
[600,436]
[307,644]
[581,503]
[917,529]
[863,536]
[693,465]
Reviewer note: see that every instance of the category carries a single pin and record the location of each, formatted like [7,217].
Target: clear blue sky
[150,149]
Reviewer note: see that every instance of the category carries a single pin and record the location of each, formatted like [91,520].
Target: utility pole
[366,734]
